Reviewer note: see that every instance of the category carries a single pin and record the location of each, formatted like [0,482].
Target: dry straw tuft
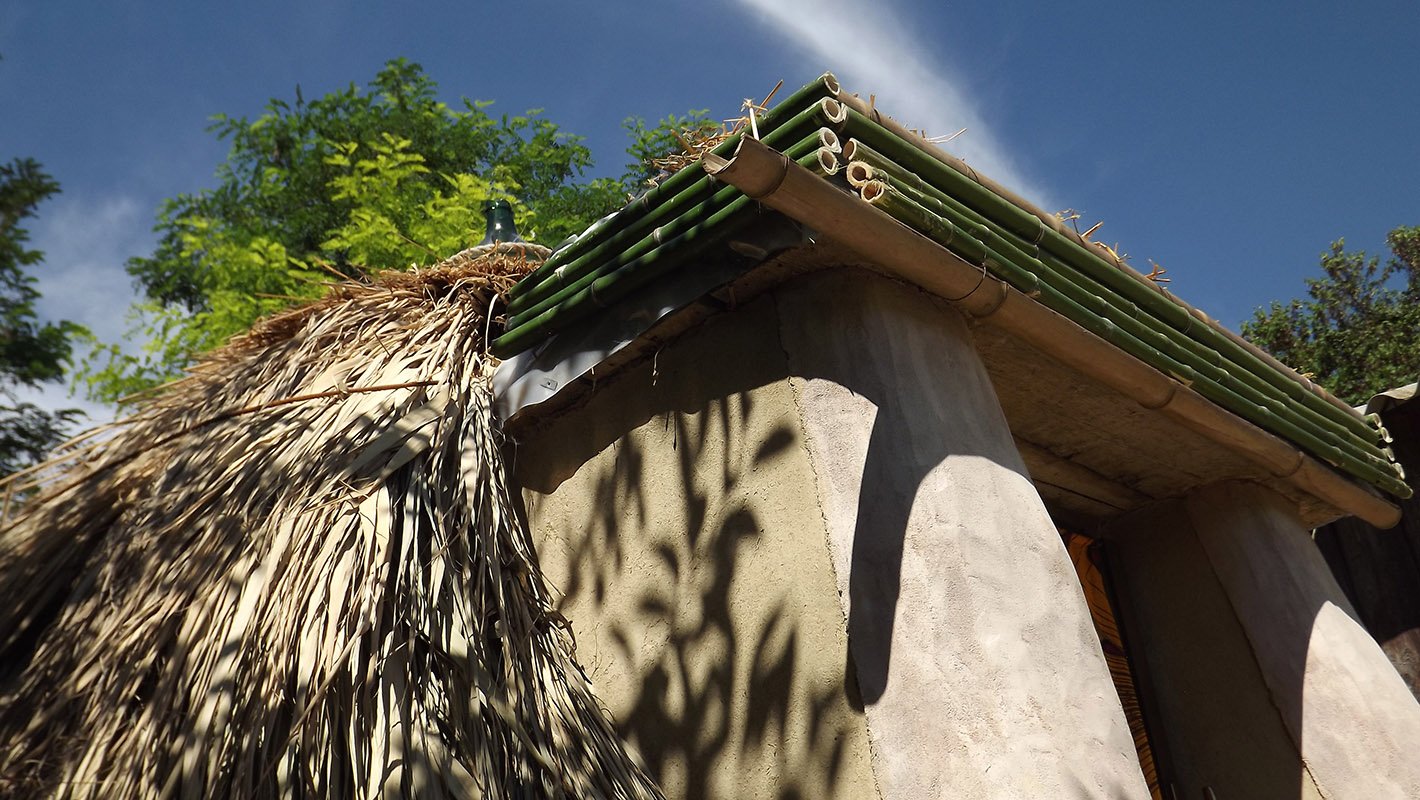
[299,572]
[696,142]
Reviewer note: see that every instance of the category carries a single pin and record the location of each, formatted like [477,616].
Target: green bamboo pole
[809,123]
[1179,319]
[551,292]
[1223,370]
[1271,362]
[818,116]
[1105,301]
[610,288]
[618,282]
[1029,228]
[1059,298]
[824,86]
[1372,468]
[687,217]
[945,229]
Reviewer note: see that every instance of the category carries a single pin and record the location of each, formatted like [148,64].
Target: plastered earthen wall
[1265,685]
[824,472]
[978,665]
[1210,713]
[1349,713]
[677,512]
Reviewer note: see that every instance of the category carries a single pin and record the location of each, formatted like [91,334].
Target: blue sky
[1231,143]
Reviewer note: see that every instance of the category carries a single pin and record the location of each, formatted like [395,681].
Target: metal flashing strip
[539,375]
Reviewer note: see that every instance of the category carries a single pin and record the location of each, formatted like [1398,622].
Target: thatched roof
[299,572]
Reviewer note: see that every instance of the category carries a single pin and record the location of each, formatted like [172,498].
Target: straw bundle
[299,572]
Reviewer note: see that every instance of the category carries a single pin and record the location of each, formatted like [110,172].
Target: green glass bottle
[501,228]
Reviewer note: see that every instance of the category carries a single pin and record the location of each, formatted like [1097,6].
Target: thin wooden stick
[423,247]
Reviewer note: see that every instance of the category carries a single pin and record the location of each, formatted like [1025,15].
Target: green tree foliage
[1359,330]
[345,185]
[31,352]
[670,135]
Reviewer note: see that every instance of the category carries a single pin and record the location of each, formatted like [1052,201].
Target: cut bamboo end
[873,191]
[755,177]
[859,174]
[828,161]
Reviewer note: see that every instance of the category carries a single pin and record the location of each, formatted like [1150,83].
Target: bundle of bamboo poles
[899,172]
[299,573]
[698,218]
[932,198]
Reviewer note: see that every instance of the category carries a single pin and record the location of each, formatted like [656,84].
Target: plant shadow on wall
[689,549]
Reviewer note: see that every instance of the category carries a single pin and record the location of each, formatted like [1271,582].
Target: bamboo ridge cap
[1048,220]
[816,94]
[892,245]
[615,281]
[1046,262]
[1137,337]
[906,163]
[992,229]
[666,203]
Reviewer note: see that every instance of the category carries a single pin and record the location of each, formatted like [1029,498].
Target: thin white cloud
[85,241]
[871,49]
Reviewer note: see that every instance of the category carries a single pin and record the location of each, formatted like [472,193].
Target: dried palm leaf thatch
[299,572]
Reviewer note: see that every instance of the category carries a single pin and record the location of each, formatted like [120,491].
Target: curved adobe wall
[677,512]
[700,511]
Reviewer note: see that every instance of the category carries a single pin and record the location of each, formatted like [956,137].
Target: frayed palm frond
[299,572]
